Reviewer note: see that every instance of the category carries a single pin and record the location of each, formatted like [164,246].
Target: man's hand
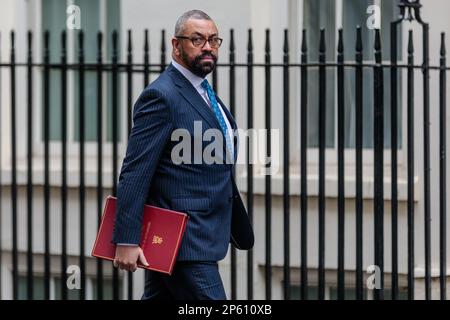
[127,257]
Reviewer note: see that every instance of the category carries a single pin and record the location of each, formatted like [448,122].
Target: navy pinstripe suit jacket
[206,192]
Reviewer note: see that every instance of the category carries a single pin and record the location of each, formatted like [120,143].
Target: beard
[199,67]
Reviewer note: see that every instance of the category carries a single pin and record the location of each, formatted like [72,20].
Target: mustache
[205,55]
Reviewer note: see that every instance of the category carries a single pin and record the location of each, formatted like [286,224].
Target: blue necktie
[218,113]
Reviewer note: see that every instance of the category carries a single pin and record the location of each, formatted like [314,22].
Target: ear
[175,46]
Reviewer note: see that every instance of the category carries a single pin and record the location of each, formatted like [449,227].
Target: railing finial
[408,7]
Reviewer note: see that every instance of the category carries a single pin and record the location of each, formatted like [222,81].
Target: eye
[197,40]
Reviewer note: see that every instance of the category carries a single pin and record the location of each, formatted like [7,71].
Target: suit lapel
[193,97]
[188,91]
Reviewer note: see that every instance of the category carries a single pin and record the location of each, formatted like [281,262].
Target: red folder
[162,231]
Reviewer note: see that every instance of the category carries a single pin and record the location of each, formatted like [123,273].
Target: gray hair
[192,14]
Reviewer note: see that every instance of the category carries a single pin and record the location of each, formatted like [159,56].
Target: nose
[207,46]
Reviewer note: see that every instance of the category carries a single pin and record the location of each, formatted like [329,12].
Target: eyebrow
[198,33]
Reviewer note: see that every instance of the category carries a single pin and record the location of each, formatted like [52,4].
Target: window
[38,288]
[313,292]
[317,15]
[327,14]
[71,294]
[331,293]
[402,294]
[350,293]
[107,289]
[96,15]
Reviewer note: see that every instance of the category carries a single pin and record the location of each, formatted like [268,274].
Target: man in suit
[182,99]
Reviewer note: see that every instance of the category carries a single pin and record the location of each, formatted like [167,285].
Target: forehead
[204,27]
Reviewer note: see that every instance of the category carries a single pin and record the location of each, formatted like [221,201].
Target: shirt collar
[195,80]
